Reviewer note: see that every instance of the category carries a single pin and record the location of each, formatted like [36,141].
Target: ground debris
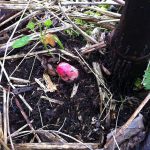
[132,135]
[73,115]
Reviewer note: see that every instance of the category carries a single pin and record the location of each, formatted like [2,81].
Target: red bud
[67,72]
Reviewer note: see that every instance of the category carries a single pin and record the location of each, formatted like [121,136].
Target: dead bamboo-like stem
[125,126]
[16,5]
[121,2]
[37,53]
[1,130]
[28,55]
[19,80]
[5,115]
[105,12]
[109,20]
[56,146]
[52,100]
[88,3]
[3,144]
[11,5]
[1,135]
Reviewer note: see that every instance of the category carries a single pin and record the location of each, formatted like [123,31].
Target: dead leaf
[48,39]
[49,84]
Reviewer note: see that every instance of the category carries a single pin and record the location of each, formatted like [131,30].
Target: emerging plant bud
[67,72]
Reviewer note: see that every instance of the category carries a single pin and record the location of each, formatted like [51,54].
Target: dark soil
[75,117]
[76,114]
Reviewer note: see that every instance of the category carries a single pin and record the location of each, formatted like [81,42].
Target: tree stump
[130,45]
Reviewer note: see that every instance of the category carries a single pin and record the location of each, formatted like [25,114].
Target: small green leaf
[48,23]
[21,42]
[56,39]
[146,78]
[31,25]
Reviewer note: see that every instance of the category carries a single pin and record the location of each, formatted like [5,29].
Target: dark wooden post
[130,44]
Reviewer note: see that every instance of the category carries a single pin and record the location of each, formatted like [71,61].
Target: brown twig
[26,118]
[93,47]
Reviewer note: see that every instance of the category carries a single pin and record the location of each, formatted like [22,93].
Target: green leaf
[31,25]
[21,41]
[48,23]
[146,78]
[56,39]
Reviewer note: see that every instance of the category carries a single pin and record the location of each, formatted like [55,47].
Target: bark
[130,44]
